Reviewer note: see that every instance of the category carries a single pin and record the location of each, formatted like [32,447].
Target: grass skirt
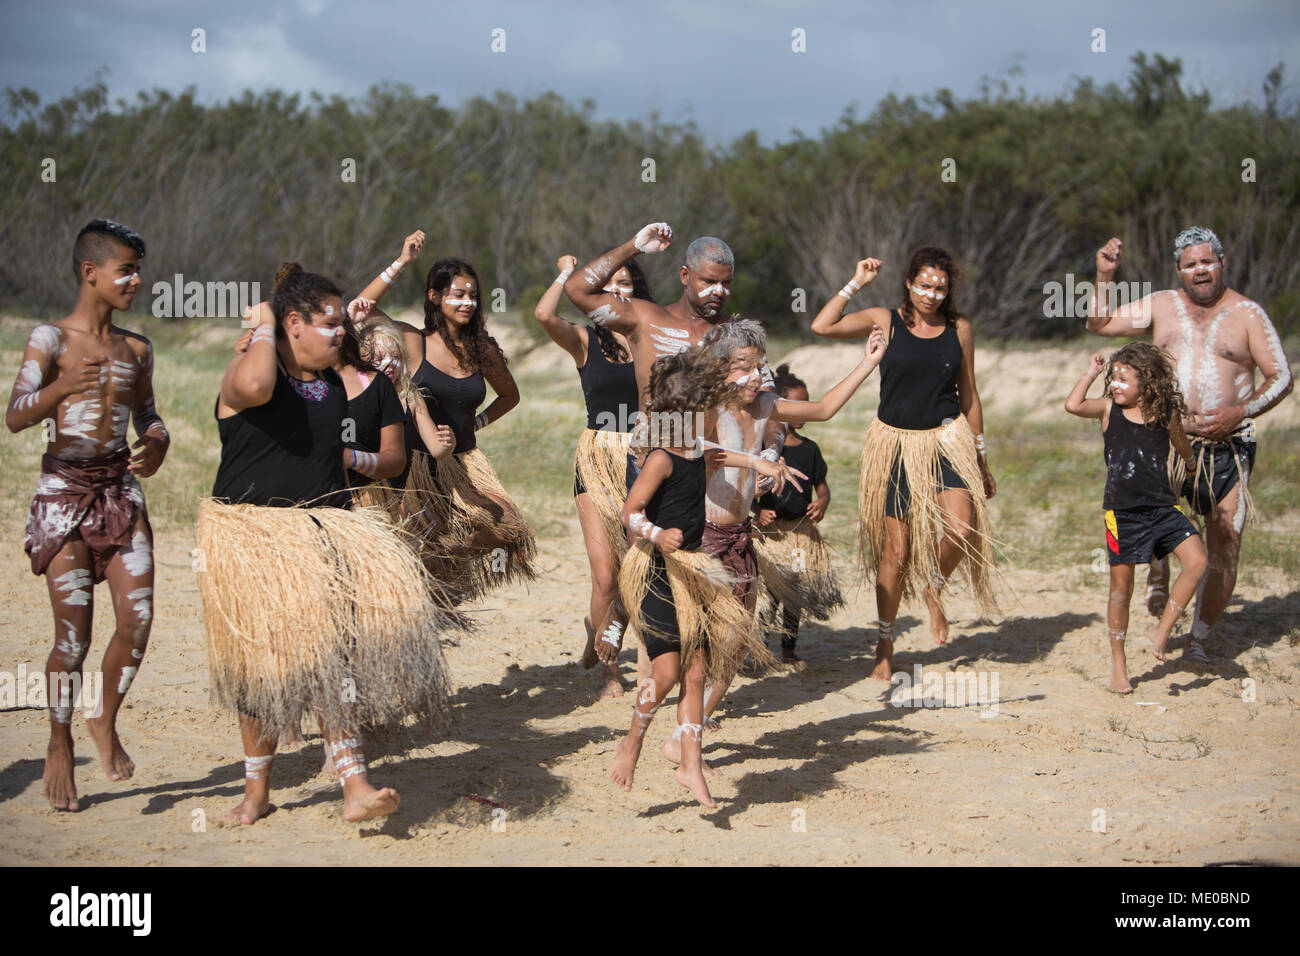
[319,610]
[921,450]
[601,464]
[710,619]
[795,566]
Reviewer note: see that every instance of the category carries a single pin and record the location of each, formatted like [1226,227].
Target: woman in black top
[291,576]
[600,463]
[924,464]
[456,359]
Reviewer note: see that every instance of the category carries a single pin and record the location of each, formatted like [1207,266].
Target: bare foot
[938,620]
[884,669]
[790,657]
[327,768]
[625,764]
[117,765]
[1158,644]
[58,784]
[589,657]
[1119,683]
[673,751]
[694,782]
[369,803]
[613,683]
[249,811]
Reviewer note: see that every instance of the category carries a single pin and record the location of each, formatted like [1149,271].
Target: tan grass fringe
[795,566]
[333,619]
[459,503]
[710,619]
[601,463]
[921,450]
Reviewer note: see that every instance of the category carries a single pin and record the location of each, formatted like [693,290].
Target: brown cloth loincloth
[95,499]
[733,545]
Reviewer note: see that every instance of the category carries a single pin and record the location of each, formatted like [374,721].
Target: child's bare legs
[1121,592]
[1157,586]
[130,582]
[651,692]
[958,509]
[690,773]
[259,754]
[604,590]
[712,697]
[889,592]
[361,800]
[69,581]
[1193,562]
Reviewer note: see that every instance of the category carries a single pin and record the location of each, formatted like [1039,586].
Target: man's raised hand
[656,237]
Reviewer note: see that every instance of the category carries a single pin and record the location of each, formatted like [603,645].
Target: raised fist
[1109,256]
[653,238]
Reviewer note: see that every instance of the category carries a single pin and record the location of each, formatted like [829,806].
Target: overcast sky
[729,66]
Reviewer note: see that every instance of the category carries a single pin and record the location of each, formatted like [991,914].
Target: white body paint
[602,315]
[669,341]
[139,560]
[75,586]
[124,681]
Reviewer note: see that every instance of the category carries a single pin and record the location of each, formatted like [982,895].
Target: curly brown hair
[1159,397]
[690,381]
[475,349]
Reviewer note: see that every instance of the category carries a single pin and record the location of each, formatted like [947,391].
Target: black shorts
[898,500]
[1138,535]
[660,634]
[1224,462]
[633,471]
[578,487]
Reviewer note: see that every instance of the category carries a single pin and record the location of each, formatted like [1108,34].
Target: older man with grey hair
[1218,340]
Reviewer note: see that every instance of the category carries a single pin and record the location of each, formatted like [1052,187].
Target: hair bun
[783,369]
[286,270]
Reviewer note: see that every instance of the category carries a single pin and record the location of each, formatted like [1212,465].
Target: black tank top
[918,377]
[451,401]
[679,501]
[609,389]
[286,452]
[371,411]
[1137,462]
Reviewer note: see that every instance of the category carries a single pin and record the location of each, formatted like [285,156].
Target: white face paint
[1189,270]
[933,295]
[328,331]
[329,310]
[715,289]
[125,279]
[462,302]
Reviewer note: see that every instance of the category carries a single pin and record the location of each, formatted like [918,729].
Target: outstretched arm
[586,286]
[969,397]
[1077,403]
[841,392]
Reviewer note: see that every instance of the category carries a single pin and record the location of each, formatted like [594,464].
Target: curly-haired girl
[1141,418]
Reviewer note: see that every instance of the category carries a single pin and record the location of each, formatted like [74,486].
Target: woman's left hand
[990,486]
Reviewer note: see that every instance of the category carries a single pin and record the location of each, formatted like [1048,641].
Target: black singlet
[792,503]
[451,401]
[373,409]
[609,389]
[288,451]
[918,377]
[1137,461]
[678,502]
